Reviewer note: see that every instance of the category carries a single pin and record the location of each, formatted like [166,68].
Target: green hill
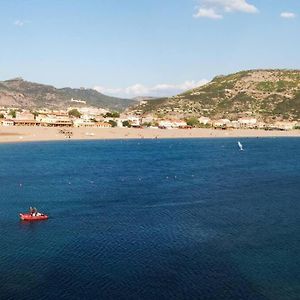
[20,93]
[265,94]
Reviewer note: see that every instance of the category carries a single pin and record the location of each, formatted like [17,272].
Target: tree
[113,114]
[74,113]
[112,123]
[193,121]
[12,113]
[35,113]
[1,116]
[147,124]
[126,124]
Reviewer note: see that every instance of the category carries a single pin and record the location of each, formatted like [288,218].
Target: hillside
[265,94]
[20,93]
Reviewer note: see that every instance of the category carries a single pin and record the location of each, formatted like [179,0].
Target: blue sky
[144,47]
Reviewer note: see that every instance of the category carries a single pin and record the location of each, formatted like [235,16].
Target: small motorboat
[30,217]
[35,217]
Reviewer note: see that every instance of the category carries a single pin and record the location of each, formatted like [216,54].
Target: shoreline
[40,134]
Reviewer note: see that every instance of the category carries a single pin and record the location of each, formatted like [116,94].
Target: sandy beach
[30,134]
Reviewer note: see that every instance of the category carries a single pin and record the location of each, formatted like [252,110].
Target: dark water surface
[160,219]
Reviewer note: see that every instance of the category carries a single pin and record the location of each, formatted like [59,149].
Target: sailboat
[241,146]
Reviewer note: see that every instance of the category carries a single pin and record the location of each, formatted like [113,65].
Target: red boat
[33,217]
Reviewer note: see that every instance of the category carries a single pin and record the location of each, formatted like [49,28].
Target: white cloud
[159,90]
[136,89]
[207,13]
[20,23]
[215,9]
[287,15]
[234,5]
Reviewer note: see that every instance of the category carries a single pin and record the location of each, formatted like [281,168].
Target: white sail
[241,146]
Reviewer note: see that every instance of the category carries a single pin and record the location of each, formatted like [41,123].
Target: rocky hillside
[265,94]
[20,93]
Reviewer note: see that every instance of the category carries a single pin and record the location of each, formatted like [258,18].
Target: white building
[234,124]
[103,125]
[53,120]
[221,123]
[24,116]
[134,121]
[147,119]
[172,123]
[247,122]
[78,101]
[204,120]
[120,122]
[83,123]
[7,123]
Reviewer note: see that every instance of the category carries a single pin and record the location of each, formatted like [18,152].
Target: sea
[151,219]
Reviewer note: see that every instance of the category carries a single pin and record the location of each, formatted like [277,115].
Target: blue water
[151,219]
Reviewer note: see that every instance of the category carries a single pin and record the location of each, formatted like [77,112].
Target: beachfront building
[247,122]
[87,117]
[119,122]
[7,122]
[55,121]
[204,120]
[261,125]
[82,122]
[165,124]
[234,124]
[103,125]
[147,119]
[24,116]
[26,123]
[172,124]
[221,123]
[134,121]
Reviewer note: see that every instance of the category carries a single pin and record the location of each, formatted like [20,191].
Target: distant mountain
[265,94]
[20,93]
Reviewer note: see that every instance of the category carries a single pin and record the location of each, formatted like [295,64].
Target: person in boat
[33,211]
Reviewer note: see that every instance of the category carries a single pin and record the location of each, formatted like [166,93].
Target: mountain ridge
[263,93]
[25,94]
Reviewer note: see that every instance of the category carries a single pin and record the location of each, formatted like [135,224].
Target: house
[234,124]
[26,123]
[78,101]
[247,122]
[103,125]
[204,120]
[7,122]
[134,121]
[172,123]
[221,123]
[55,121]
[147,119]
[24,116]
[83,123]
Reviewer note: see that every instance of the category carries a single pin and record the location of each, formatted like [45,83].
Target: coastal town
[101,118]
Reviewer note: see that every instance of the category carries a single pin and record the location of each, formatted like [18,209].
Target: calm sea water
[151,219]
